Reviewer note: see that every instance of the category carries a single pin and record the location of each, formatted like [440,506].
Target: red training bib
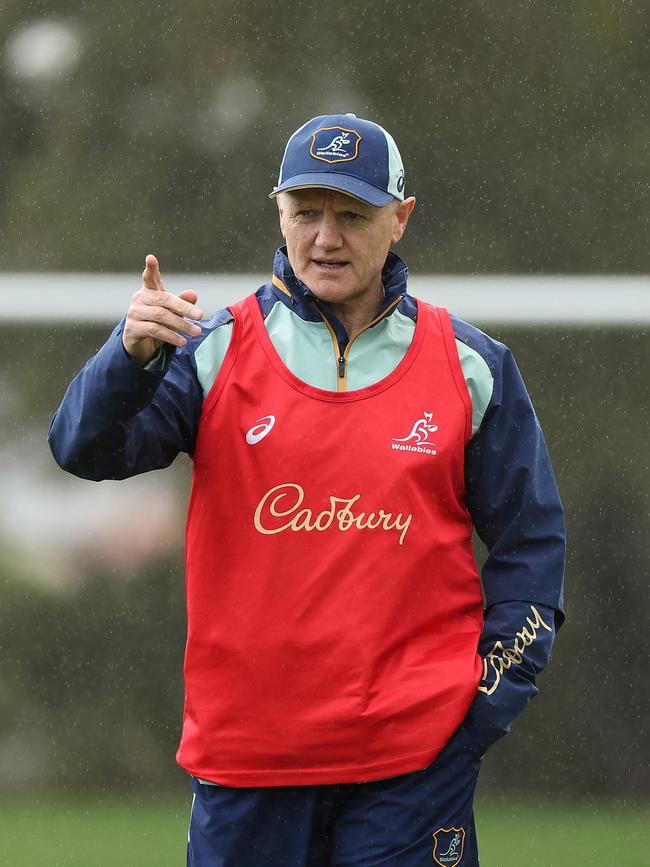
[334,605]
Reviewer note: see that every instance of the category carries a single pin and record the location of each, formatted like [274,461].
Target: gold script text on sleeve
[501,658]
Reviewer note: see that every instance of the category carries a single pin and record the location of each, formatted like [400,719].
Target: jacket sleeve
[118,419]
[515,506]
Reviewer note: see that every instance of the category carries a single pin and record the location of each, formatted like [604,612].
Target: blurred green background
[523,127]
[524,131]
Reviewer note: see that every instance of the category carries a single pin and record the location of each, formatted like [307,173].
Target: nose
[329,234]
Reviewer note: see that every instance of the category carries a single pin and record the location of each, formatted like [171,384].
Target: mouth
[330,265]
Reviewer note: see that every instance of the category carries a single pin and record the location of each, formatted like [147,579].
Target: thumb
[151,274]
[188,295]
[191,297]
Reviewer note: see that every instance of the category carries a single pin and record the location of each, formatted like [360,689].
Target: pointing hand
[156,316]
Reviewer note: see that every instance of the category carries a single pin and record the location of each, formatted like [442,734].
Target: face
[337,245]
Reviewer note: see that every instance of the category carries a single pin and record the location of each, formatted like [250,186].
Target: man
[345,667]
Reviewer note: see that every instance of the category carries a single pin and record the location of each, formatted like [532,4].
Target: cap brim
[339,182]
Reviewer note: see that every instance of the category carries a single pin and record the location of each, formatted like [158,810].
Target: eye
[352,216]
[305,212]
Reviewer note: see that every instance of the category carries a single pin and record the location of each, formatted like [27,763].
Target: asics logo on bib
[260,429]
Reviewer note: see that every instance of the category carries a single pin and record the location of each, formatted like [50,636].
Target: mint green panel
[376,352]
[479,379]
[305,347]
[210,355]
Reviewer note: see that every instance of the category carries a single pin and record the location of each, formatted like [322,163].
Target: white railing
[539,299]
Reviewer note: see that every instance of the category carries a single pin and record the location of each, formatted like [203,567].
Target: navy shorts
[421,818]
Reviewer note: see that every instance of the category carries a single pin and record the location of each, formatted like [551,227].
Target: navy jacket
[118,419]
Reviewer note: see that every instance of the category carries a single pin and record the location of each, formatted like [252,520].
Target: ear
[402,214]
[278,200]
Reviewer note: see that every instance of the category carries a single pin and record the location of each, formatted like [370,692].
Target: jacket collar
[299,297]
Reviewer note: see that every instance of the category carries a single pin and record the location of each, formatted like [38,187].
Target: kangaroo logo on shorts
[334,144]
[449,846]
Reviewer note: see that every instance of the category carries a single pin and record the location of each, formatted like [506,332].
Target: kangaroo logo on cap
[334,144]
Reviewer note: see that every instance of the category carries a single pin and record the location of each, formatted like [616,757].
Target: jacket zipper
[342,359]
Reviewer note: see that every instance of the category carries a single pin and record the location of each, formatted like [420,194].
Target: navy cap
[343,152]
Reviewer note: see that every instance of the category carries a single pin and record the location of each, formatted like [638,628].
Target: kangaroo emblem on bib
[418,439]
[420,430]
[449,846]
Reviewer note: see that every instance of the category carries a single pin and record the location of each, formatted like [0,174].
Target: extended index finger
[151,275]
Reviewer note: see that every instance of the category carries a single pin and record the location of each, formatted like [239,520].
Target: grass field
[145,832]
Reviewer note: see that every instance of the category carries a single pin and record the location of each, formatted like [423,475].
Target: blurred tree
[521,126]
[94,676]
